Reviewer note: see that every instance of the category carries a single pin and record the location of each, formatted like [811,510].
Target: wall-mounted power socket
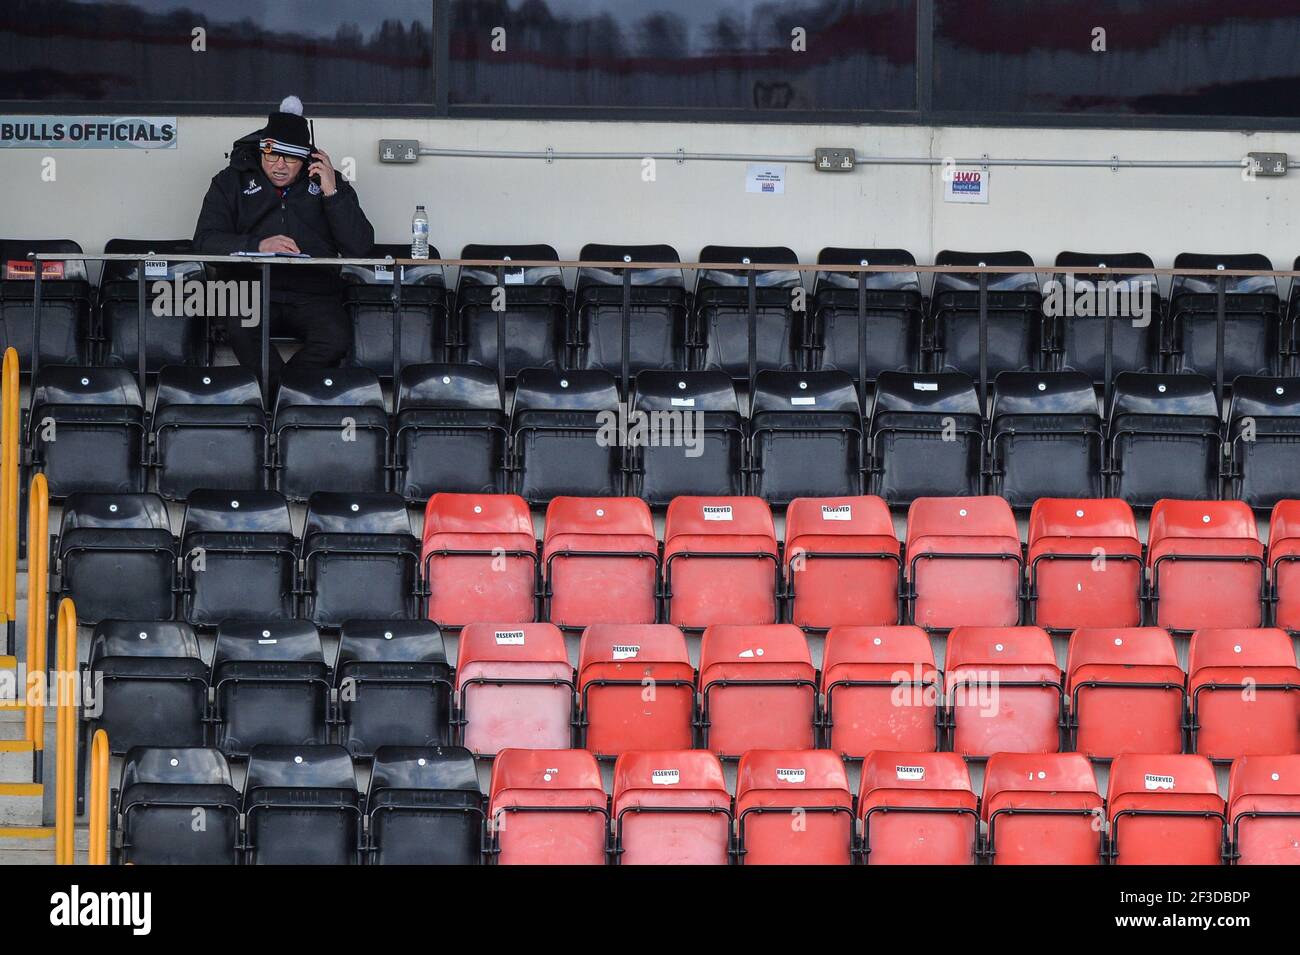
[834,159]
[399,150]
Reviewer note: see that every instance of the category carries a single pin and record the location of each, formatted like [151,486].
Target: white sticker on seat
[803,401]
[717,512]
[837,512]
[1159,782]
[625,651]
[791,775]
[510,638]
[155,268]
[665,777]
[911,773]
[925,385]
[683,402]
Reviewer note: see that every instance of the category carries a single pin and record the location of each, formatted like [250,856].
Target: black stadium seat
[698,446]
[1264,433]
[359,558]
[108,540]
[1164,438]
[556,434]
[425,807]
[926,436]
[805,435]
[722,310]
[895,313]
[209,430]
[269,685]
[1015,332]
[238,557]
[301,807]
[162,792]
[65,303]
[367,299]
[1045,436]
[1080,340]
[87,430]
[535,312]
[331,431]
[173,338]
[450,431]
[151,682]
[1252,318]
[658,311]
[394,685]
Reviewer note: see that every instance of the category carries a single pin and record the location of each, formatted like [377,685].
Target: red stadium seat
[964,562]
[917,809]
[793,808]
[671,808]
[1003,690]
[843,562]
[636,688]
[1283,553]
[1042,809]
[1164,810]
[881,690]
[1085,564]
[548,807]
[1125,692]
[1206,565]
[1264,810]
[601,560]
[1245,693]
[758,689]
[480,559]
[720,562]
[514,688]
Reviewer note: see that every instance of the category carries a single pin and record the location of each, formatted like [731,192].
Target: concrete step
[34,845]
[21,804]
[17,760]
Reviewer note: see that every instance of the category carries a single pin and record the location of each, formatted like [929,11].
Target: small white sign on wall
[966,185]
[765,179]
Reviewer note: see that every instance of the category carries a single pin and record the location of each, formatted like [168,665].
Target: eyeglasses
[274,159]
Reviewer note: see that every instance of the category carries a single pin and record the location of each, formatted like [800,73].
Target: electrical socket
[399,150]
[834,159]
[1268,164]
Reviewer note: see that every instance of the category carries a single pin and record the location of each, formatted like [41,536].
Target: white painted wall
[99,194]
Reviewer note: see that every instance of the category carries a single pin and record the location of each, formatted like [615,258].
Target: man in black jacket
[281,193]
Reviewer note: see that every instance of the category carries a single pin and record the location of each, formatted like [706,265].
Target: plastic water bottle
[420,234]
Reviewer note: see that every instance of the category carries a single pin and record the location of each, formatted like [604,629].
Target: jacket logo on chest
[313,189]
[253,188]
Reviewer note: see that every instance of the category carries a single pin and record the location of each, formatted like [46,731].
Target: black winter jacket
[243,207]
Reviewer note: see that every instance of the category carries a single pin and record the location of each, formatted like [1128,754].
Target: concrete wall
[98,194]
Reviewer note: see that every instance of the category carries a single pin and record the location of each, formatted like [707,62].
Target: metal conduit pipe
[862,160]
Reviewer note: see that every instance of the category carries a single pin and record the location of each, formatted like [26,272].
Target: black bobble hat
[286,132]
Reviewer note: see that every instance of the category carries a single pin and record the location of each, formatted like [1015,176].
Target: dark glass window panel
[685,54]
[1163,57]
[258,51]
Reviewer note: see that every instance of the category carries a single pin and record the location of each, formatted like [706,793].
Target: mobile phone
[311,124]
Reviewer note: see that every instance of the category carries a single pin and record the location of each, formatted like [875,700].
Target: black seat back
[1015,333]
[1164,434]
[173,337]
[451,430]
[161,787]
[926,437]
[894,313]
[555,424]
[301,806]
[1076,312]
[1264,432]
[425,806]
[1252,317]
[65,303]
[535,314]
[694,436]
[367,298]
[1046,436]
[722,310]
[658,310]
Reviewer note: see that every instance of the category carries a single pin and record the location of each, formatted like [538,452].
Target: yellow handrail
[38,578]
[65,749]
[99,799]
[9,440]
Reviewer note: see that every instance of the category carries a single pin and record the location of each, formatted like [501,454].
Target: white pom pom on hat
[291,104]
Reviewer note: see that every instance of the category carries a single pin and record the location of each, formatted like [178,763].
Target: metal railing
[38,579]
[625,270]
[66,675]
[99,807]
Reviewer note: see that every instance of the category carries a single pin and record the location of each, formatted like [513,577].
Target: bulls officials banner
[88,132]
